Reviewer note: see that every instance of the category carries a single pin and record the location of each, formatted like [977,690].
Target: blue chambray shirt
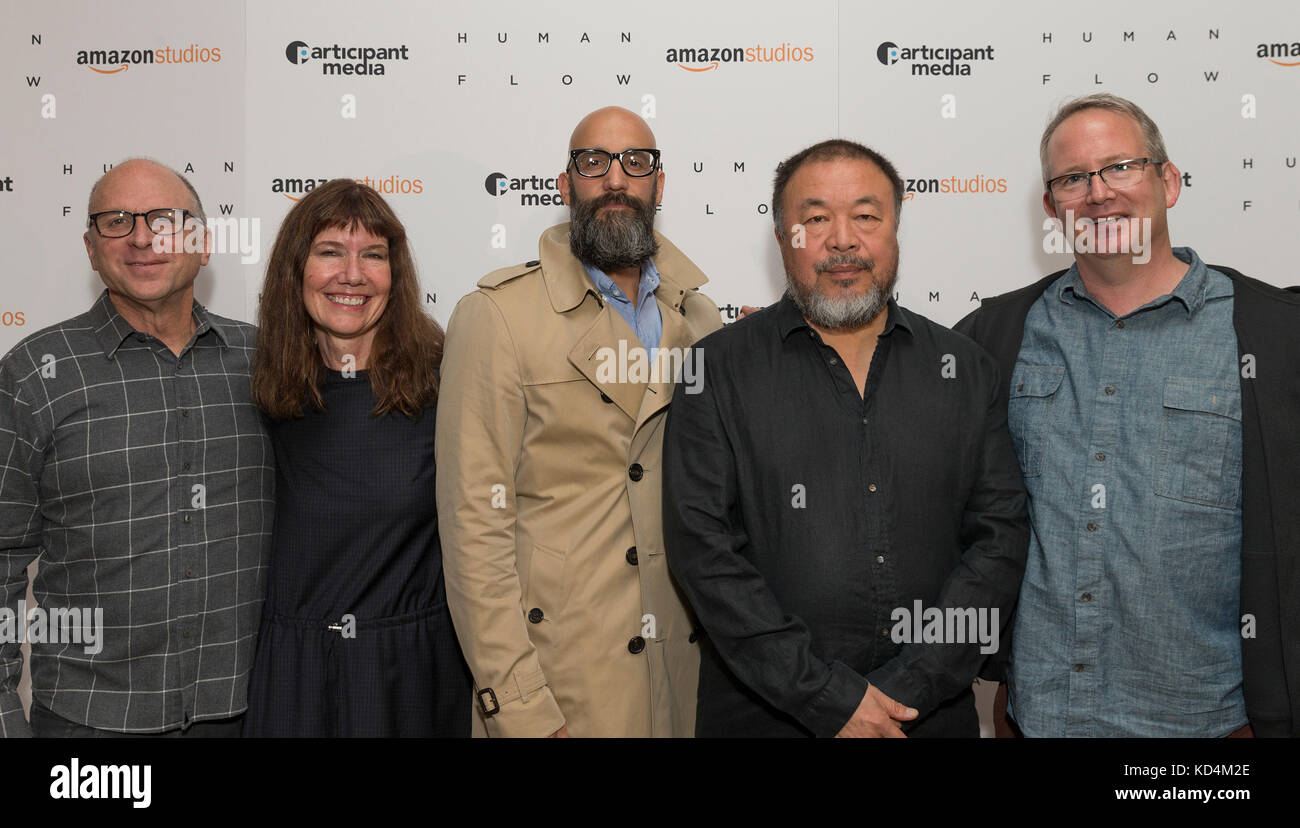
[644,319]
[1129,436]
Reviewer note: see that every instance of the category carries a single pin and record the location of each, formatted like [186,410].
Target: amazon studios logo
[933,60]
[534,191]
[345,60]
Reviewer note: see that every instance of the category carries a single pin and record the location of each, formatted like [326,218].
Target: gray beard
[615,241]
[841,314]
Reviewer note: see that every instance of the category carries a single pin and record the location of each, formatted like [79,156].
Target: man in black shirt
[842,502]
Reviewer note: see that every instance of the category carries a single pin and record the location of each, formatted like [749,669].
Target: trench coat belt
[523,686]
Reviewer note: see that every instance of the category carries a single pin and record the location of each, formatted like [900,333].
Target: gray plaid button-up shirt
[145,482]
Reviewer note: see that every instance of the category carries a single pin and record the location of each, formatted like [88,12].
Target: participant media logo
[338,59]
[534,190]
[948,60]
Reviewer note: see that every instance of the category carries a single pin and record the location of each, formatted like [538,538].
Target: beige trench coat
[549,491]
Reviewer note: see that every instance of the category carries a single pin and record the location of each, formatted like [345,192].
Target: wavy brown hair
[407,349]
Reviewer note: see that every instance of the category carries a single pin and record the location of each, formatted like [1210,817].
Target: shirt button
[864,420]
[1020,387]
[1110,390]
[1092,527]
[536,615]
[834,361]
[189,573]
[884,632]
[185,412]
[185,467]
[187,518]
[880,559]
[636,645]
[631,556]
[1101,455]
[872,487]
[1086,597]
[1079,668]
[635,472]
[1120,324]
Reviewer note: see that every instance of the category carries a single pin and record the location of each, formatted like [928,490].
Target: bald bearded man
[548,451]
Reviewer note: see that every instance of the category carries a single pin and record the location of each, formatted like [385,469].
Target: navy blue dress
[356,548]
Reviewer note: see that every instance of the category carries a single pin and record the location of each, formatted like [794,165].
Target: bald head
[613,129]
[140,168]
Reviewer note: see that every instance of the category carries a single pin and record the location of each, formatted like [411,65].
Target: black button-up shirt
[799,516]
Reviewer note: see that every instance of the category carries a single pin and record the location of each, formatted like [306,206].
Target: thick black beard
[615,241]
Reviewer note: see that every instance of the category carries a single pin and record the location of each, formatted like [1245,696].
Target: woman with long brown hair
[355,639]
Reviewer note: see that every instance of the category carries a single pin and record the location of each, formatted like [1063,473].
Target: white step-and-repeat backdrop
[432,103]
[435,103]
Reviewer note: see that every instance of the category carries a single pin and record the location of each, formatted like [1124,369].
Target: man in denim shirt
[1150,400]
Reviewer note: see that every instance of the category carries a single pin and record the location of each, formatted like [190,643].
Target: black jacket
[1267,321]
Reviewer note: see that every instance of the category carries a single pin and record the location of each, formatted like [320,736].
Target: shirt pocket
[1033,391]
[1199,459]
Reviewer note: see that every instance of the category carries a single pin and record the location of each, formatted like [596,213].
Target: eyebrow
[1106,161]
[818,202]
[332,243]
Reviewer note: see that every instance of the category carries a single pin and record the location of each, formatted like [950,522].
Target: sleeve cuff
[12,721]
[895,681]
[827,714]
[537,716]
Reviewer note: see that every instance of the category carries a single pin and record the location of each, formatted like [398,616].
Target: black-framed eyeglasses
[164,221]
[1117,176]
[593,163]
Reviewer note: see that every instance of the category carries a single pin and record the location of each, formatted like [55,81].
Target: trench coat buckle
[485,698]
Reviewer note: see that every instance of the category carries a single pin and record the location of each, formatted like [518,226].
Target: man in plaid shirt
[133,462]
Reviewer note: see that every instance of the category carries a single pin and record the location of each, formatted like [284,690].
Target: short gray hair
[1155,144]
[833,149]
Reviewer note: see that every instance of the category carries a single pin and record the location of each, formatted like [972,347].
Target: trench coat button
[636,645]
[535,615]
[631,556]
[693,637]
[605,397]
[533,263]
[635,471]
